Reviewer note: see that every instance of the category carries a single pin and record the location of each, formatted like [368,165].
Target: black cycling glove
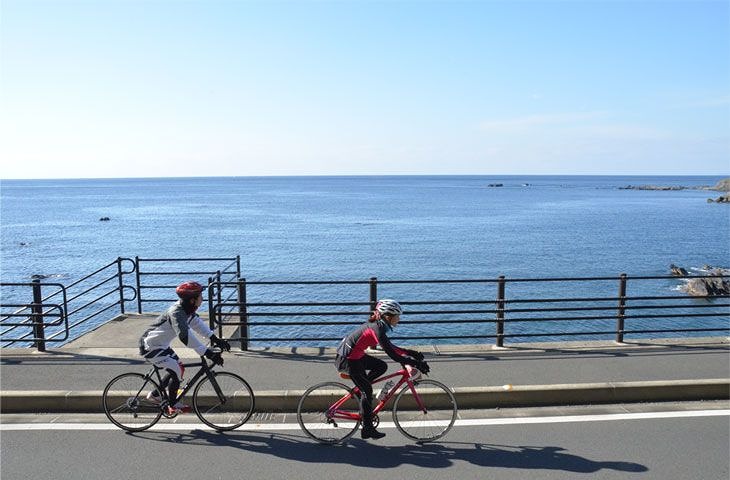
[415,354]
[423,367]
[215,357]
[220,343]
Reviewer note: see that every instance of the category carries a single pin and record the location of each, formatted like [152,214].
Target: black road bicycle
[222,400]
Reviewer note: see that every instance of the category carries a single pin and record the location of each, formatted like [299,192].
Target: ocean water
[354,228]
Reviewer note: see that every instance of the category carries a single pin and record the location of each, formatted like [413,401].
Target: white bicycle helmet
[387,306]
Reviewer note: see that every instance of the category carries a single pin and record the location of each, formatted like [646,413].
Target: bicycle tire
[313,417]
[230,413]
[437,419]
[126,405]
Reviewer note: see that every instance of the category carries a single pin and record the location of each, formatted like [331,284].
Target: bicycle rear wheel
[433,418]
[321,420]
[126,405]
[227,407]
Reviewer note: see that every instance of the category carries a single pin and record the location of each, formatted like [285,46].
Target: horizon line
[376,176]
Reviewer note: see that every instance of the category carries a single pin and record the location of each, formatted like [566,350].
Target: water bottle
[385,390]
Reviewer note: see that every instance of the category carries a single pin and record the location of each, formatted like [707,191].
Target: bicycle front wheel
[328,413]
[226,404]
[126,405]
[428,417]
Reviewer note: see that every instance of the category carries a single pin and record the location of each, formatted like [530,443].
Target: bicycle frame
[205,369]
[405,377]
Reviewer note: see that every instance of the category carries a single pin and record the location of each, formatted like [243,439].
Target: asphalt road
[613,442]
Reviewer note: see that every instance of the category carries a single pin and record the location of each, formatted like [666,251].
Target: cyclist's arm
[395,353]
[200,327]
[180,321]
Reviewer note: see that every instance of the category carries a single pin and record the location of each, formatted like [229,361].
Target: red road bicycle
[423,410]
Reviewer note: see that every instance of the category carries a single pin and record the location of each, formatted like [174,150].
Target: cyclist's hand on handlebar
[423,367]
[220,343]
[215,357]
[415,354]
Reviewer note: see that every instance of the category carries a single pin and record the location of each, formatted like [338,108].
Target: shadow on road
[372,455]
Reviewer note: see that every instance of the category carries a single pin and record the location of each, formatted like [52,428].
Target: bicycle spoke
[229,412]
[126,405]
[318,418]
[429,418]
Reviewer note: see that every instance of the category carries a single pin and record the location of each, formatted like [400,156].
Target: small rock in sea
[104,219]
[720,199]
[678,271]
[496,185]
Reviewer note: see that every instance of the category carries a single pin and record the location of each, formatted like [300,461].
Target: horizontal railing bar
[611,299]
[679,315]
[480,280]
[673,277]
[186,259]
[627,307]
[300,304]
[680,330]
[206,272]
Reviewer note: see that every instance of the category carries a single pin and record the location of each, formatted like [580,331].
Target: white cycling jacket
[175,323]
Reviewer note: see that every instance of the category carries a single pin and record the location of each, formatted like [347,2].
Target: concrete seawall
[71,379]
[466,397]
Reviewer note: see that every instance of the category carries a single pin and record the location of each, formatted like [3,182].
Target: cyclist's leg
[360,378]
[170,362]
[375,366]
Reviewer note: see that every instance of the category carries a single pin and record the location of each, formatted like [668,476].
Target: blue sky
[209,88]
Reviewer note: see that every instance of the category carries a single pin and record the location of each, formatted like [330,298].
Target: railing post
[211,309]
[500,311]
[621,309]
[37,309]
[219,289]
[238,266]
[121,284]
[373,293]
[139,287]
[242,313]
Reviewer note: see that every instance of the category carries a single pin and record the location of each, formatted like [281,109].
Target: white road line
[162,426]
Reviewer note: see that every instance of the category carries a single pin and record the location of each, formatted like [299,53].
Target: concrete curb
[54,401]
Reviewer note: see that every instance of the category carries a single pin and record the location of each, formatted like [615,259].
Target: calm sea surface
[353,228]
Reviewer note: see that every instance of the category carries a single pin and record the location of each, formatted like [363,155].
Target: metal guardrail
[629,314]
[476,308]
[169,268]
[73,301]
[85,299]
[35,321]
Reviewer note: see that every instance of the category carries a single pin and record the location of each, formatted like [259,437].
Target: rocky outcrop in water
[715,283]
[653,187]
[720,199]
[678,271]
[722,186]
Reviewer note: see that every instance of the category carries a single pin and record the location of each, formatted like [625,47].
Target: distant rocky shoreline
[721,186]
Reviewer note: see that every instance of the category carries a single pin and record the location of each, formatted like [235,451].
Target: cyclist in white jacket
[178,321]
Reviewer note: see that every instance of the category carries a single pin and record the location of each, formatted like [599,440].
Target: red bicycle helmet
[189,289]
